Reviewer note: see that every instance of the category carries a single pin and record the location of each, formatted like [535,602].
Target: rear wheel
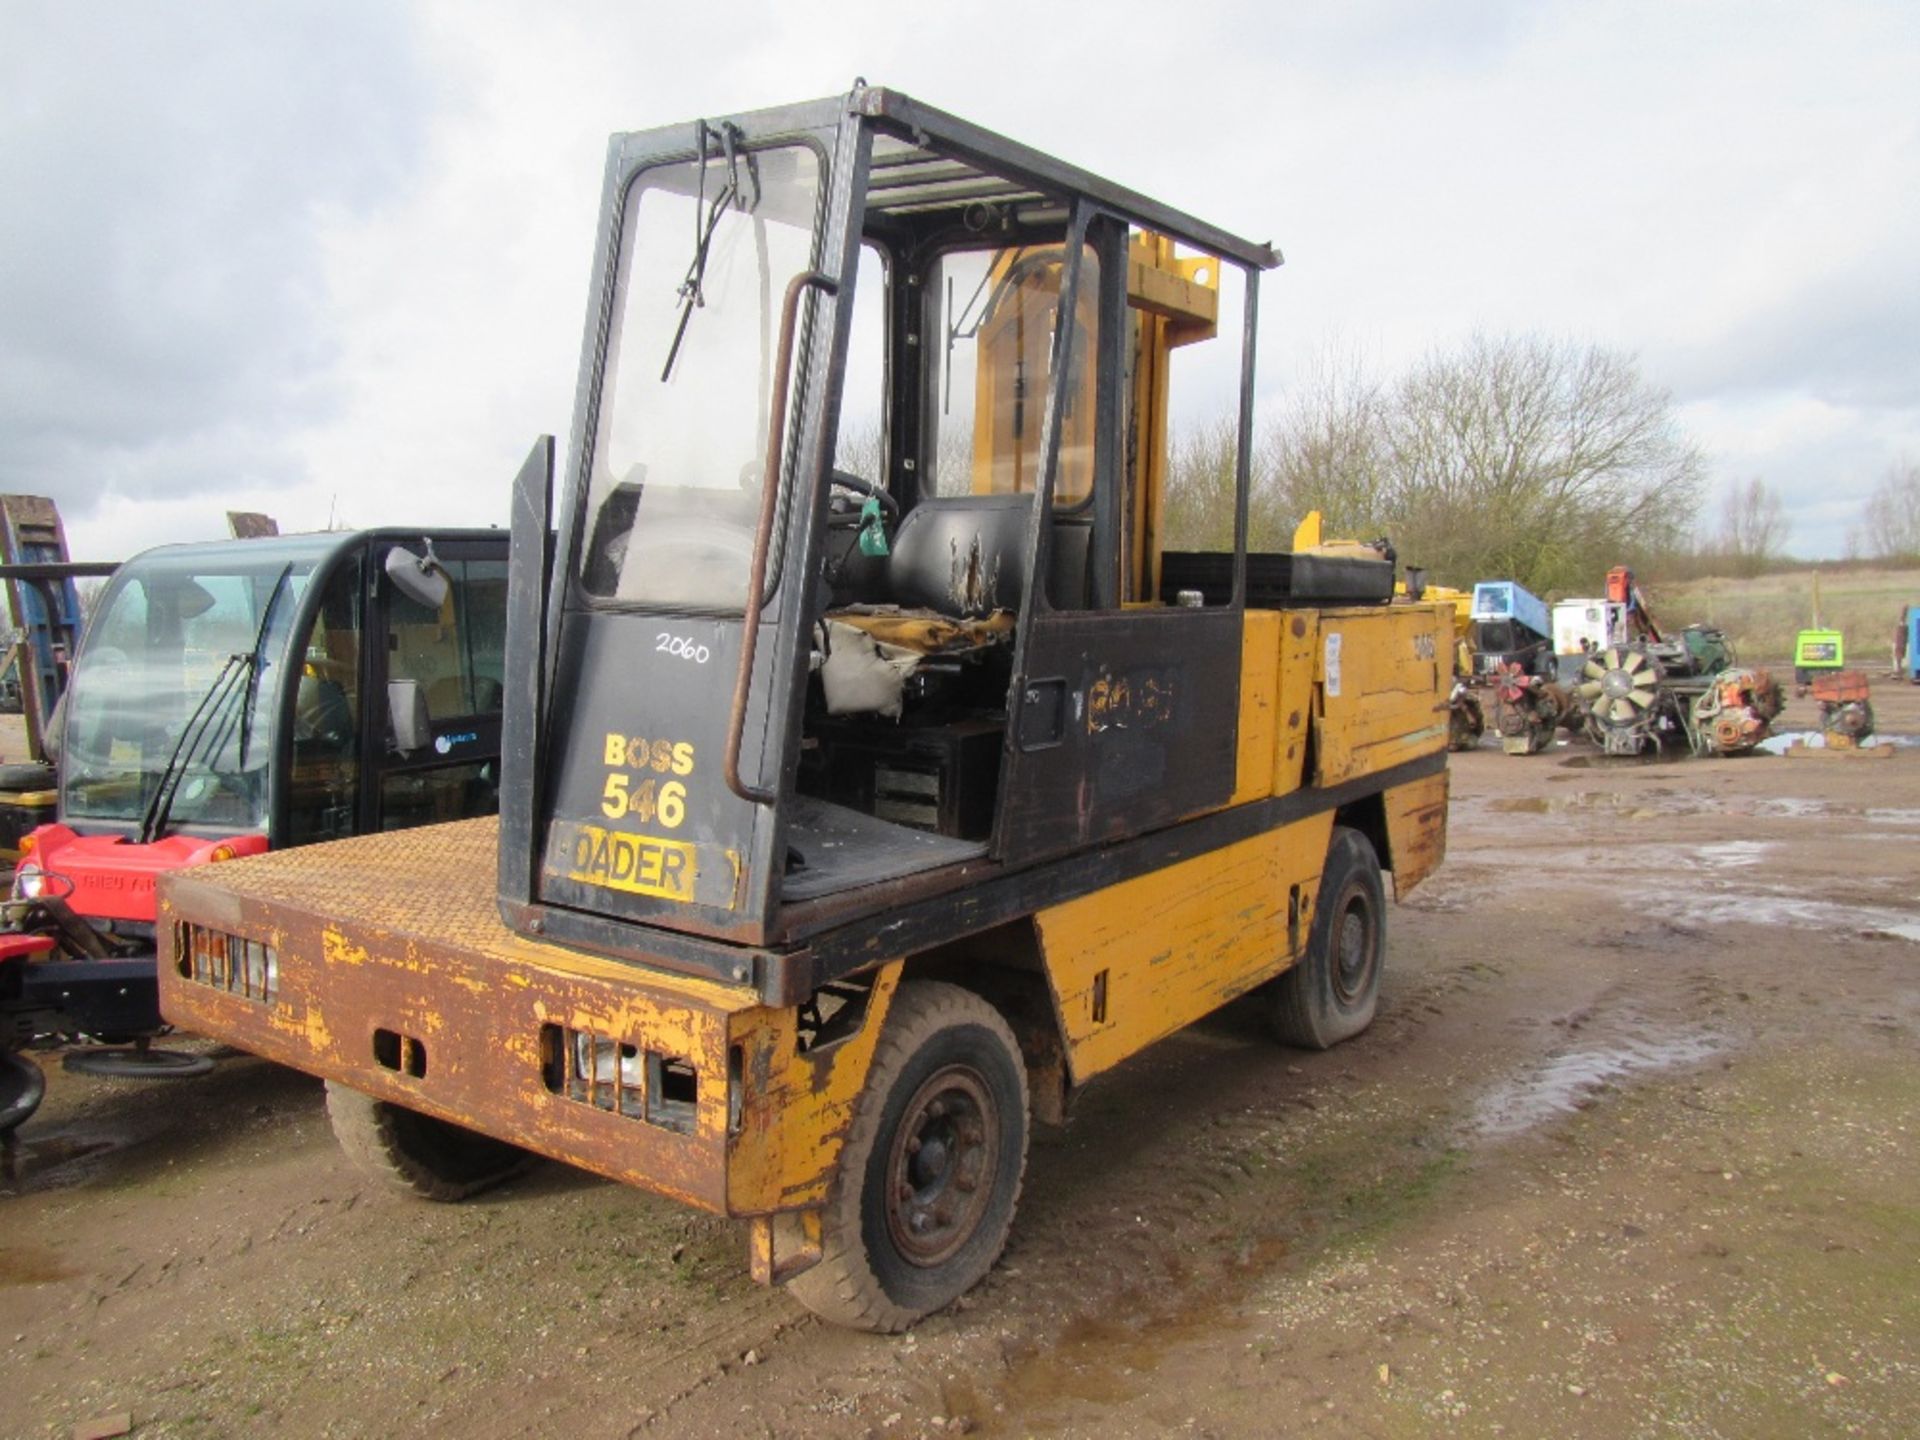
[925,1192]
[1331,993]
[417,1153]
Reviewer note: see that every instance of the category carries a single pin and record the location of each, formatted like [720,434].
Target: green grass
[1762,615]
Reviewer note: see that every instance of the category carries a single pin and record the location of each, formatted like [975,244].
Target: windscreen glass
[674,485]
[174,690]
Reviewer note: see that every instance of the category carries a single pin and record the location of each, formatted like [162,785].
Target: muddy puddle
[1569,1083]
[1798,912]
[1816,740]
[56,1160]
[26,1265]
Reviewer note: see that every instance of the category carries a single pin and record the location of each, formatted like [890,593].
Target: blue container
[1504,600]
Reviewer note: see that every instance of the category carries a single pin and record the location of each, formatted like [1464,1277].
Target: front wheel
[1330,994]
[417,1153]
[921,1204]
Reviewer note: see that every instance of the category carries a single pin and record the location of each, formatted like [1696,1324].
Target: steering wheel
[844,480]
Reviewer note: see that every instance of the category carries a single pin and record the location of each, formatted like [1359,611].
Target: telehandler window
[686,380]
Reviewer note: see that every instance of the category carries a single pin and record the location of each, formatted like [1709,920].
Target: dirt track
[1632,1150]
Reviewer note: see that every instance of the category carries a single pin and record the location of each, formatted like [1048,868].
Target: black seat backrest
[963,556]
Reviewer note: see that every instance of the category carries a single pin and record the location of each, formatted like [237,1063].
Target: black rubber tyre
[925,1193]
[28,777]
[131,1063]
[419,1154]
[1330,995]
[22,1088]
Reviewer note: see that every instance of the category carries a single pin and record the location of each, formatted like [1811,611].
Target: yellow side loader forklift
[874,776]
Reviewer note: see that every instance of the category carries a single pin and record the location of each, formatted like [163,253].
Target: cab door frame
[1120,720]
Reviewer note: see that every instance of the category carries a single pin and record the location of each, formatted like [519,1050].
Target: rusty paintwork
[1416,830]
[480,1019]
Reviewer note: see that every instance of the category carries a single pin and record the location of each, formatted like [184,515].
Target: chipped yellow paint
[339,950]
[1416,830]
[798,1107]
[1259,693]
[1177,944]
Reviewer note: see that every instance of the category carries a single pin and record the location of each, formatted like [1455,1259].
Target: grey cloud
[161,281]
[1846,339]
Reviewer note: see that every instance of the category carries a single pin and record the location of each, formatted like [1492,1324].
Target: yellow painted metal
[780,1247]
[1299,642]
[1382,680]
[1259,698]
[798,1108]
[1135,962]
[1416,830]
[1171,302]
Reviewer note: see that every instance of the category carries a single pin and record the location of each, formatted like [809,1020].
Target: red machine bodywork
[113,877]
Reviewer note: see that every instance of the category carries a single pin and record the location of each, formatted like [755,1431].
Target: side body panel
[1382,679]
[1135,962]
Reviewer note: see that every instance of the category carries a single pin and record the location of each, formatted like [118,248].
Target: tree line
[1509,457]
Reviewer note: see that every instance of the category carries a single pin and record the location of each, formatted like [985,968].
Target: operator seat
[963,556]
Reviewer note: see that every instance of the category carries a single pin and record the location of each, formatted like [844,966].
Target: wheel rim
[940,1167]
[1353,946]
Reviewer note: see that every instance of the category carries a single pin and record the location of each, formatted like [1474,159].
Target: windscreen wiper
[235,671]
[236,666]
[706,220]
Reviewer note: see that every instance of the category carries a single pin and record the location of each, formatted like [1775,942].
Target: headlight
[28,882]
[600,1060]
[260,965]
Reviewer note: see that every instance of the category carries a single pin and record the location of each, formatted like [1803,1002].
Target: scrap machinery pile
[1846,714]
[1528,708]
[1649,694]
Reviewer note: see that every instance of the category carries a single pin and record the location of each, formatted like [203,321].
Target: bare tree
[1753,527]
[1891,522]
[1533,460]
[1326,451]
[1197,508]
[1515,458]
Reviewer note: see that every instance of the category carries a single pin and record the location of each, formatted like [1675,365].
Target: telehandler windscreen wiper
[236,670]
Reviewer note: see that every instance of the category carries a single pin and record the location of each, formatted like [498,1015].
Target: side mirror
[417,577]
[407,714]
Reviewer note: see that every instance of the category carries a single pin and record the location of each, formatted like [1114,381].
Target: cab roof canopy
[929,165]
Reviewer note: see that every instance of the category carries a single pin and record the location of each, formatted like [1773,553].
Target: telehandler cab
[873,775]
[224,703]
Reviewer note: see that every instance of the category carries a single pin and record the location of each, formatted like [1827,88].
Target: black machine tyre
[22,1087]
[138,1062]
[1331,993]
[924,1197]
[28,777]
[419,1154]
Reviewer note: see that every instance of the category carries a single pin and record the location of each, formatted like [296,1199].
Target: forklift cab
[856,593]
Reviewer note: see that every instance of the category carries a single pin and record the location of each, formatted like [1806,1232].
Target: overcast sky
[330,259]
